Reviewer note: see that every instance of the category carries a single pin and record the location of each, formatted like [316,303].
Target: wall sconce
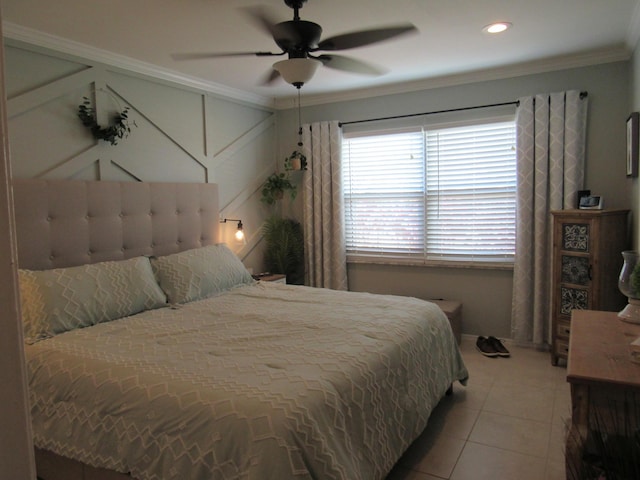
[239,232]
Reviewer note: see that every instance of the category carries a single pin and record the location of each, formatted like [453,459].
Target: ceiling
[448,48]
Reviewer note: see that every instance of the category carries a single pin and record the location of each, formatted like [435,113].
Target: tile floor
[507,423]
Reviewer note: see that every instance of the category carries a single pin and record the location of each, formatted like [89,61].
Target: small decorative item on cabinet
[591,202]
[629,285]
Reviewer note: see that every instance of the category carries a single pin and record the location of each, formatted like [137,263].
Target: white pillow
[199,273]
[62,299]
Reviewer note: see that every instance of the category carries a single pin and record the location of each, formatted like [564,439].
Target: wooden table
[273,277]
[603,379]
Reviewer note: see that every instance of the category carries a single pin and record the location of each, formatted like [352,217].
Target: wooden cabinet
[587,258]
[605,394]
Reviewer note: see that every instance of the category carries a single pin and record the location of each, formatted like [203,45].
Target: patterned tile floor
[507,423]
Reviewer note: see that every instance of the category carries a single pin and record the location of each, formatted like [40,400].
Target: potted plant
[284,249]
[284,252]
[296,161]
[276,186]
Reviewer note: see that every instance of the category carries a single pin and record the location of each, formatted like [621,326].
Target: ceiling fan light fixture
[297,71]
[497,27]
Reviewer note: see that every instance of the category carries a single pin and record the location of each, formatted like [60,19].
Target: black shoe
[486,347]
[498,347]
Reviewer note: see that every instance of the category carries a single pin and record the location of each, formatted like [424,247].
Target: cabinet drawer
[563,328]
[562,347]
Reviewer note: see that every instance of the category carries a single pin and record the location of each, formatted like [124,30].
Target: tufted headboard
[63,223]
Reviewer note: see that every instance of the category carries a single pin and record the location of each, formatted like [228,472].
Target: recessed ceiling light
[497,27]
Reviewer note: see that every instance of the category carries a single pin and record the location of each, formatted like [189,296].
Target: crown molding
[77,49]
[564,62]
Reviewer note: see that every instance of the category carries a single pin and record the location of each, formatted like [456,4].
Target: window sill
[414,262]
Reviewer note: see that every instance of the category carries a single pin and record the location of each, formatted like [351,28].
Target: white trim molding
[27,35]
[584,59]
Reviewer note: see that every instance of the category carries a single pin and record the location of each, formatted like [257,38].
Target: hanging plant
[121,127]
[275,186]
[296,161]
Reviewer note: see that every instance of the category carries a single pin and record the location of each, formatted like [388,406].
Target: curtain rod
[516,103]
[429,113]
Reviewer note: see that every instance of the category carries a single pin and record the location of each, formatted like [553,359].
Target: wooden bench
[453,310]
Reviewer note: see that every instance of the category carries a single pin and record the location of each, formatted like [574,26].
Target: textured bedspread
[265,381]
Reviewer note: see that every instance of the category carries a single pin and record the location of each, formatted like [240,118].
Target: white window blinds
[441,194]
[384,188]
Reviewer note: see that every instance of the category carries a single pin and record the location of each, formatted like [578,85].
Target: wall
[487,293]
[180,135]
[188,135]
[16,443]
[634,106]
[184,134]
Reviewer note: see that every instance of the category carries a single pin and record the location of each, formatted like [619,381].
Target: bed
[153,354]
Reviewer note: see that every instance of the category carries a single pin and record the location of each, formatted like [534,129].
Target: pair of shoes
[491,347]
[499,347]
[485,347]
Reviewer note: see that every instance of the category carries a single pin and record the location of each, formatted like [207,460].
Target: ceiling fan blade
[269,78]
[262,17]
[200,56]
[364,37]
[348,64]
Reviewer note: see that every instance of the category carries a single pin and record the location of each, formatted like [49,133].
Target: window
[438,194]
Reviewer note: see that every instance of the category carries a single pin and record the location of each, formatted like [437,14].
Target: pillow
[62,299]
[199,273]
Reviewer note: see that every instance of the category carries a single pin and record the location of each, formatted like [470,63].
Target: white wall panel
[28,70]
[226,119]
[182,134]
[177,112]
[44,137]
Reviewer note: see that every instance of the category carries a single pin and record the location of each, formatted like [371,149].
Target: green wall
[486,294]
[186,134]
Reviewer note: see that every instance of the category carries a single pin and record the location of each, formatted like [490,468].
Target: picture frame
[633,134]
[581,195]
[591,202]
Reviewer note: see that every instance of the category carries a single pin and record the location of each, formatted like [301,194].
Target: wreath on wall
[116,131]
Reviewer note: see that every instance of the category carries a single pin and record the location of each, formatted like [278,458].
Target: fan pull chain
[299,122]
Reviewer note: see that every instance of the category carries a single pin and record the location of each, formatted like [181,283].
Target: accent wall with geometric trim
[181,134]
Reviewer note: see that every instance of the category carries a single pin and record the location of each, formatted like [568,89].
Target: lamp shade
[297,71]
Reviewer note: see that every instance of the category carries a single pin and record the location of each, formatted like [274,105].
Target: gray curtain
[325,253]
[551,134]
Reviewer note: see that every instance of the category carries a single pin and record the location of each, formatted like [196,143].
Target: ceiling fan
[300,41]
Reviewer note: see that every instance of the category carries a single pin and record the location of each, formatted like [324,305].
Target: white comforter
[264,381]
